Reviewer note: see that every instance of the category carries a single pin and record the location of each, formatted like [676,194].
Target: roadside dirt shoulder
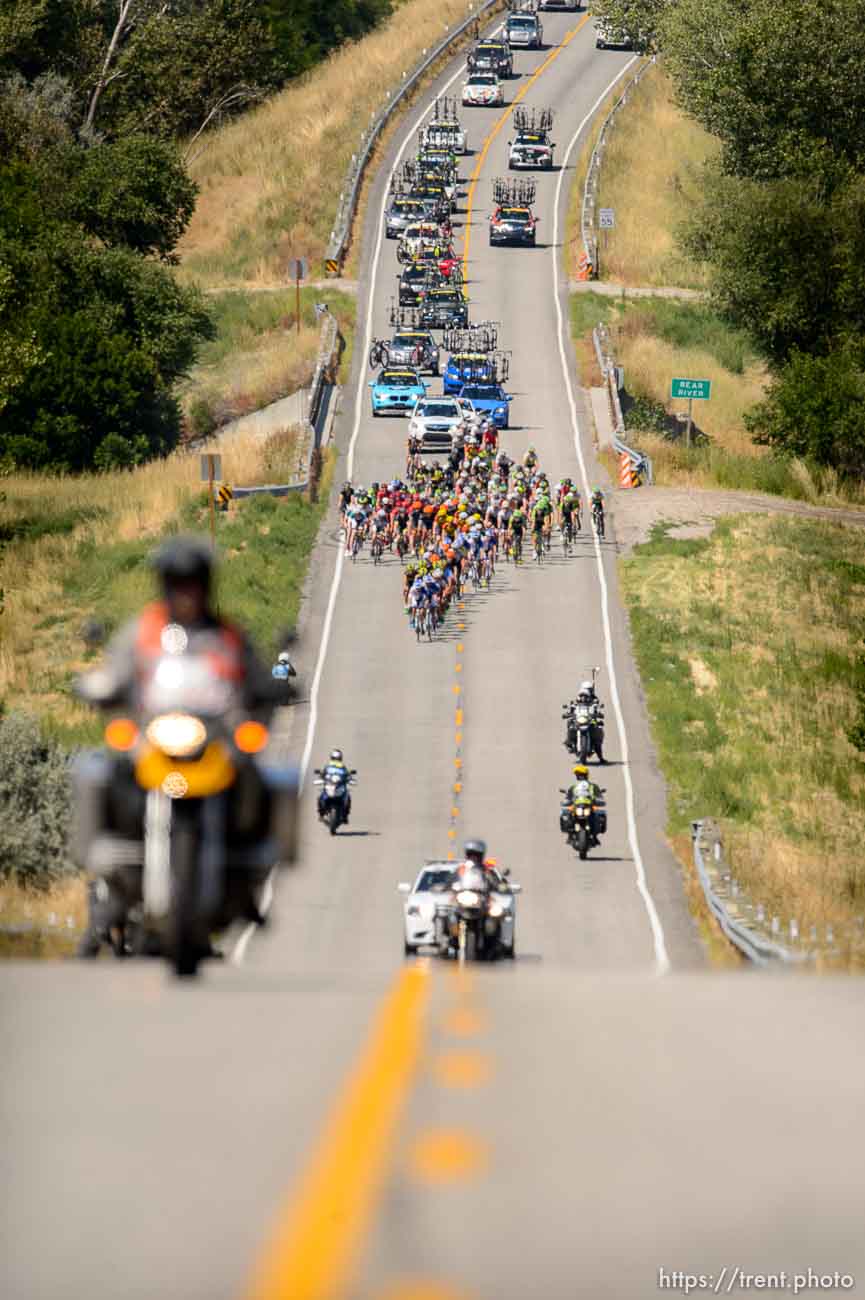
[692,511]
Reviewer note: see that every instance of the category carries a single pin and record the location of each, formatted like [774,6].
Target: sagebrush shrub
[34,803]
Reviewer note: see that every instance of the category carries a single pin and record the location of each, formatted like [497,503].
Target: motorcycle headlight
[177,734]
[468,898]
[496,909]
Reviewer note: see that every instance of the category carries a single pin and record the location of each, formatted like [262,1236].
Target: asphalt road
[331,1122]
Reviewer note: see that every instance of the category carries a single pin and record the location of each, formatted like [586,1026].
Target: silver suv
[524,31]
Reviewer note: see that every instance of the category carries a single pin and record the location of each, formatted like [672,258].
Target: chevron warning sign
[331,266]
[224,495]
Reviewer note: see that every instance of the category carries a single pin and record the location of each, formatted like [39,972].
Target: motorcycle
[181,818]
[584,733]
[581,819]
[333,802]
[471,924]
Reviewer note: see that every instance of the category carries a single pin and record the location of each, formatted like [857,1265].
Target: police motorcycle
[474,922]
[582,817]
[180,819]
[334,801]
[584,723]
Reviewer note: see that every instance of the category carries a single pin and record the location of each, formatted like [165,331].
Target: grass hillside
[650,176]
[270,182]
[749,647]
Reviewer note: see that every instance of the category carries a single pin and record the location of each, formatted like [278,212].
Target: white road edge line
[662,960]
[238,952]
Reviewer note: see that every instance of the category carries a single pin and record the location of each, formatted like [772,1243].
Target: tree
[788,259]
[305,31]
[815,408]
[18,353]
[132,192]
[774,81]
[35,803]
[115,331]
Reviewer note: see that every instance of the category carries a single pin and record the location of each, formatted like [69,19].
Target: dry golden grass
[651,177]
[40,640]
[573,227]
[270,181]
[48,912]
[244,381]
[650,363]
[773,609]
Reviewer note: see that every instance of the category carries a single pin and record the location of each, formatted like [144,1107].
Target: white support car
[445,135]
[434,419]
[607,38]
[571,5]
[421,899]
[483,90]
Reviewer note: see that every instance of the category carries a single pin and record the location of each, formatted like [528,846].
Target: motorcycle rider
[336,770]
[184,617]
[585,788]
[587,698]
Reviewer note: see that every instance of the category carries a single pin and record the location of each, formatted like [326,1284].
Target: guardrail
[588,219]
[340,234]
[722,896]
[611,373]
[322,379]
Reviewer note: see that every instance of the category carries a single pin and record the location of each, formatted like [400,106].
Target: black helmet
[475,848]
[184,559]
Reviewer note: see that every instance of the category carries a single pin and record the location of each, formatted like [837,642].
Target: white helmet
[284,657]
[588,687]
[336,756]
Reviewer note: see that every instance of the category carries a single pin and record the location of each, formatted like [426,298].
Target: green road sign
[697,390]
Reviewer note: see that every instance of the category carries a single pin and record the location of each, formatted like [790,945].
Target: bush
[648,416]
[34,804]
[815,408]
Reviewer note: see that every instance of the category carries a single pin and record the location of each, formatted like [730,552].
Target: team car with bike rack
[443,307]
[513,221]
[532,146]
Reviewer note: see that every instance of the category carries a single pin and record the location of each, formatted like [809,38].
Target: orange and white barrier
[628,477]
[584,267]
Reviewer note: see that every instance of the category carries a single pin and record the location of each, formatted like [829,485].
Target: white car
[422,897]
[483,90]
[572,5]
[608,39]
[433,421]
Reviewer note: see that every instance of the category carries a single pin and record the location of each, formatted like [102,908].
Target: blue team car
[396,390]
[491,399]
[466,368]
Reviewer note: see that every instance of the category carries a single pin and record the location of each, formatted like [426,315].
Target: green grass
[589,310]
[258,355]
[694,325]
[748,649]
[20,521]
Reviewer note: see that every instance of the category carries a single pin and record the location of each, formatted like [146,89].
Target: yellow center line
[553,54]
[317,1237]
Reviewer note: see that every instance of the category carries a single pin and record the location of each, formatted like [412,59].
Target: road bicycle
[377,548]
[379,354]
[539,548]
[568,534]
[598,519]
[516,548]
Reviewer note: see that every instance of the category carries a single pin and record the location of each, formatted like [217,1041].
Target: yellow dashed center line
[475,176]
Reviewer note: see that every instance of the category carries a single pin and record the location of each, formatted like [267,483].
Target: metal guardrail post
[339,237]
[756,947]
[606,361]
